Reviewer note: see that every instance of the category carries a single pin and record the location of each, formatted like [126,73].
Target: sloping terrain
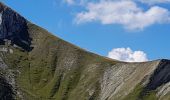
[35,65]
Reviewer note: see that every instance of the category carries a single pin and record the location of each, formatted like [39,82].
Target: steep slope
[35,65]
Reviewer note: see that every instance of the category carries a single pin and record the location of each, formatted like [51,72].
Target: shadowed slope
[13,28]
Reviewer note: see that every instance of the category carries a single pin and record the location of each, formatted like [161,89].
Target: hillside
[36,65]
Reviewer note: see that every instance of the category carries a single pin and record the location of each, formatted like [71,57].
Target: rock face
[13,27]
[161,75]
[6,92]
[57,70]
[119,80]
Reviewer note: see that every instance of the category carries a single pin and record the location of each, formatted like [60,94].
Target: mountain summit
[13,27]
[36,65]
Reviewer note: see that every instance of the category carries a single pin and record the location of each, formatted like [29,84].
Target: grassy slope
[56,69]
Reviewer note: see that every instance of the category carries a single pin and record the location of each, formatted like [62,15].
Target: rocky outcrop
[7,80]
[161,75]
[13,28]
[3,66]
[120,79]
[6,91]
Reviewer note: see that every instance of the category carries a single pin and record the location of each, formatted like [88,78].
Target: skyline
[101,34]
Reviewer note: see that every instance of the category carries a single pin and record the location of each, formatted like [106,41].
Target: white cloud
[127,55]
[154,1]
[123,12]
[78,2]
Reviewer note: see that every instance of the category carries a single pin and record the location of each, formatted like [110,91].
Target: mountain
[36,65]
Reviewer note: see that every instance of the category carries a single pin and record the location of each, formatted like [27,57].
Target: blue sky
[67,20]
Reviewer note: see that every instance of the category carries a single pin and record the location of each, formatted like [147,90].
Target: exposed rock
[3,49]
[0,18]
[2,64]
[160,76]
[120,79]
[163,90]
[6,90]
[13,27]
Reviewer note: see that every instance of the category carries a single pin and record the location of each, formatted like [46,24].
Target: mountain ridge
[46,67]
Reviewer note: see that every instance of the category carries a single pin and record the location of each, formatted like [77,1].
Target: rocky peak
[13,28]
[2,7]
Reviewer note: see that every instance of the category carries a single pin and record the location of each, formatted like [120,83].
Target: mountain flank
[36,65]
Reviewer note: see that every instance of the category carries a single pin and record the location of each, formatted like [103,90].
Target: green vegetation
[139,94]
[58,70]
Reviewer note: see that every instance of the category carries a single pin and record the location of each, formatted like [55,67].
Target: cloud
[154,1]
[123,12]
[127,55]
[78,2]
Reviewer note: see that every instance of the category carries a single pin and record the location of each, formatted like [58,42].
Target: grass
[58,70]
[54,68]
[137,94]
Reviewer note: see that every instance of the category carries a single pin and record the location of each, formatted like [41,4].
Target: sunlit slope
[42,66]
